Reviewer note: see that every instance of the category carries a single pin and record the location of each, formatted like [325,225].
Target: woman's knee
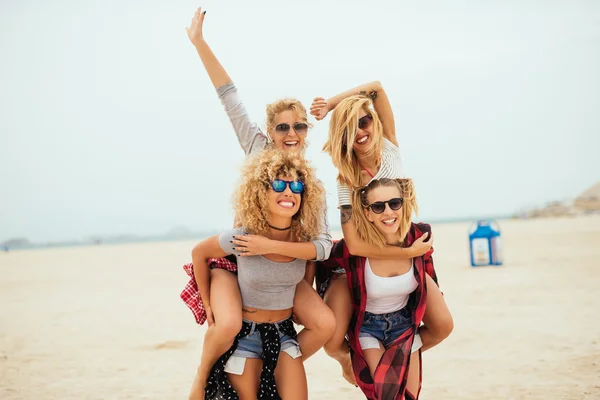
[313,313]
[227,327]
[325,323]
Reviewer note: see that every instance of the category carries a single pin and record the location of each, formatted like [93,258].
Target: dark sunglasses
[299,127]
[365,122]
[379,206]
[279,185]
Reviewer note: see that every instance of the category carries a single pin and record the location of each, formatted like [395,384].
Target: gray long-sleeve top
[252,139]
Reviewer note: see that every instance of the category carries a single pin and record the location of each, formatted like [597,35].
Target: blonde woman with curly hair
[287,128]
[279,198]
[389,296]
[363,147]
[278,189]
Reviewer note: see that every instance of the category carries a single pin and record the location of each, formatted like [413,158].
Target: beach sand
[106,322]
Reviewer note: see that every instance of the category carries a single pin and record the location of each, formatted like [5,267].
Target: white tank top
[388,294]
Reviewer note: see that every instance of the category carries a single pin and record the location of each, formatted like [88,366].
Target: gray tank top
[264,284]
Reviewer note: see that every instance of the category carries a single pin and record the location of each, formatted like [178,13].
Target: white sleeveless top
[388,294]
[391,167]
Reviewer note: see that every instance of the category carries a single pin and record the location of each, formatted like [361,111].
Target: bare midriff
[265,316]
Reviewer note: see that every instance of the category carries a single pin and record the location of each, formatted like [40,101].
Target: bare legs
[318,320]
[226,303]
[337,297]
[438,323]
[290,379]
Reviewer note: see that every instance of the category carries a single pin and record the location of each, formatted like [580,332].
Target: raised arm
[357,247]
[216,72]
[320,107]
[249,134]
[208,248]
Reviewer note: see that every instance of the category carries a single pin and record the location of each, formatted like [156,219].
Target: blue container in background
[485,243]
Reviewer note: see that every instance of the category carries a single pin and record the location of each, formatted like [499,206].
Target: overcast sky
[109,123]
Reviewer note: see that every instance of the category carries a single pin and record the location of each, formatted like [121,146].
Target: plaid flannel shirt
[389,382]
[191,295]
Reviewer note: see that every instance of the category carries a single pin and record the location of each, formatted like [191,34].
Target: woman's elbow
[376,85]
[443,327]
[355,249]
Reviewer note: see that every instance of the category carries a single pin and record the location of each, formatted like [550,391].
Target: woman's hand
[194,31]
[252,245]
[421,245]
[319,108]
[210,318]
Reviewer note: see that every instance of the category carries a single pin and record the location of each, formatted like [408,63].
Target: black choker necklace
[279,229]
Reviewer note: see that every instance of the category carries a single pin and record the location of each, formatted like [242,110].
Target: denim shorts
[251,345]
[385,328]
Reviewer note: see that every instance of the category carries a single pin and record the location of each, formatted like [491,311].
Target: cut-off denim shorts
[385,329]
[251,347]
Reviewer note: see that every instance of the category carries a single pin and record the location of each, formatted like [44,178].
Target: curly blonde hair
[250,198]
[365,228]
[342,135]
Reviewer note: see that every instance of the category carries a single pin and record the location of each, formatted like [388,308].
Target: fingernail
[204,12]
[231,241]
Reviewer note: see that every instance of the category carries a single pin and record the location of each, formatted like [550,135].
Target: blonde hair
[342,134]
[282,105]
[365,228]
[250,198]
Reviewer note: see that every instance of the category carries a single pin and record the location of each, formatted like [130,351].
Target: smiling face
[388,222]
[364,133]
[283,205]
[288,131]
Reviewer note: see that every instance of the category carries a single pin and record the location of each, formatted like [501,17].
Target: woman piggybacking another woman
[388,295]
[281,199]
[363,147]
[286,129]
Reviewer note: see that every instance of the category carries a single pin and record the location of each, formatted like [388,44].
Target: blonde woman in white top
[363,146]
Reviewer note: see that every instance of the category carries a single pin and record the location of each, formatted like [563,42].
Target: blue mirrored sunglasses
[279,185]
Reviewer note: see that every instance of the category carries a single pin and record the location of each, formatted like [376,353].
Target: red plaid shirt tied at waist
[190,294]
[389,382]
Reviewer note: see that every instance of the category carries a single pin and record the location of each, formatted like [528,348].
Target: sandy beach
[106,322]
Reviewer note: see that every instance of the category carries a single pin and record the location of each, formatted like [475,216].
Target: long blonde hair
[250,198]
[342,135]
[365,228]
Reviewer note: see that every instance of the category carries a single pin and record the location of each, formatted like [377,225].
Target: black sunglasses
[365,122]
[300,128]
[379,206]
